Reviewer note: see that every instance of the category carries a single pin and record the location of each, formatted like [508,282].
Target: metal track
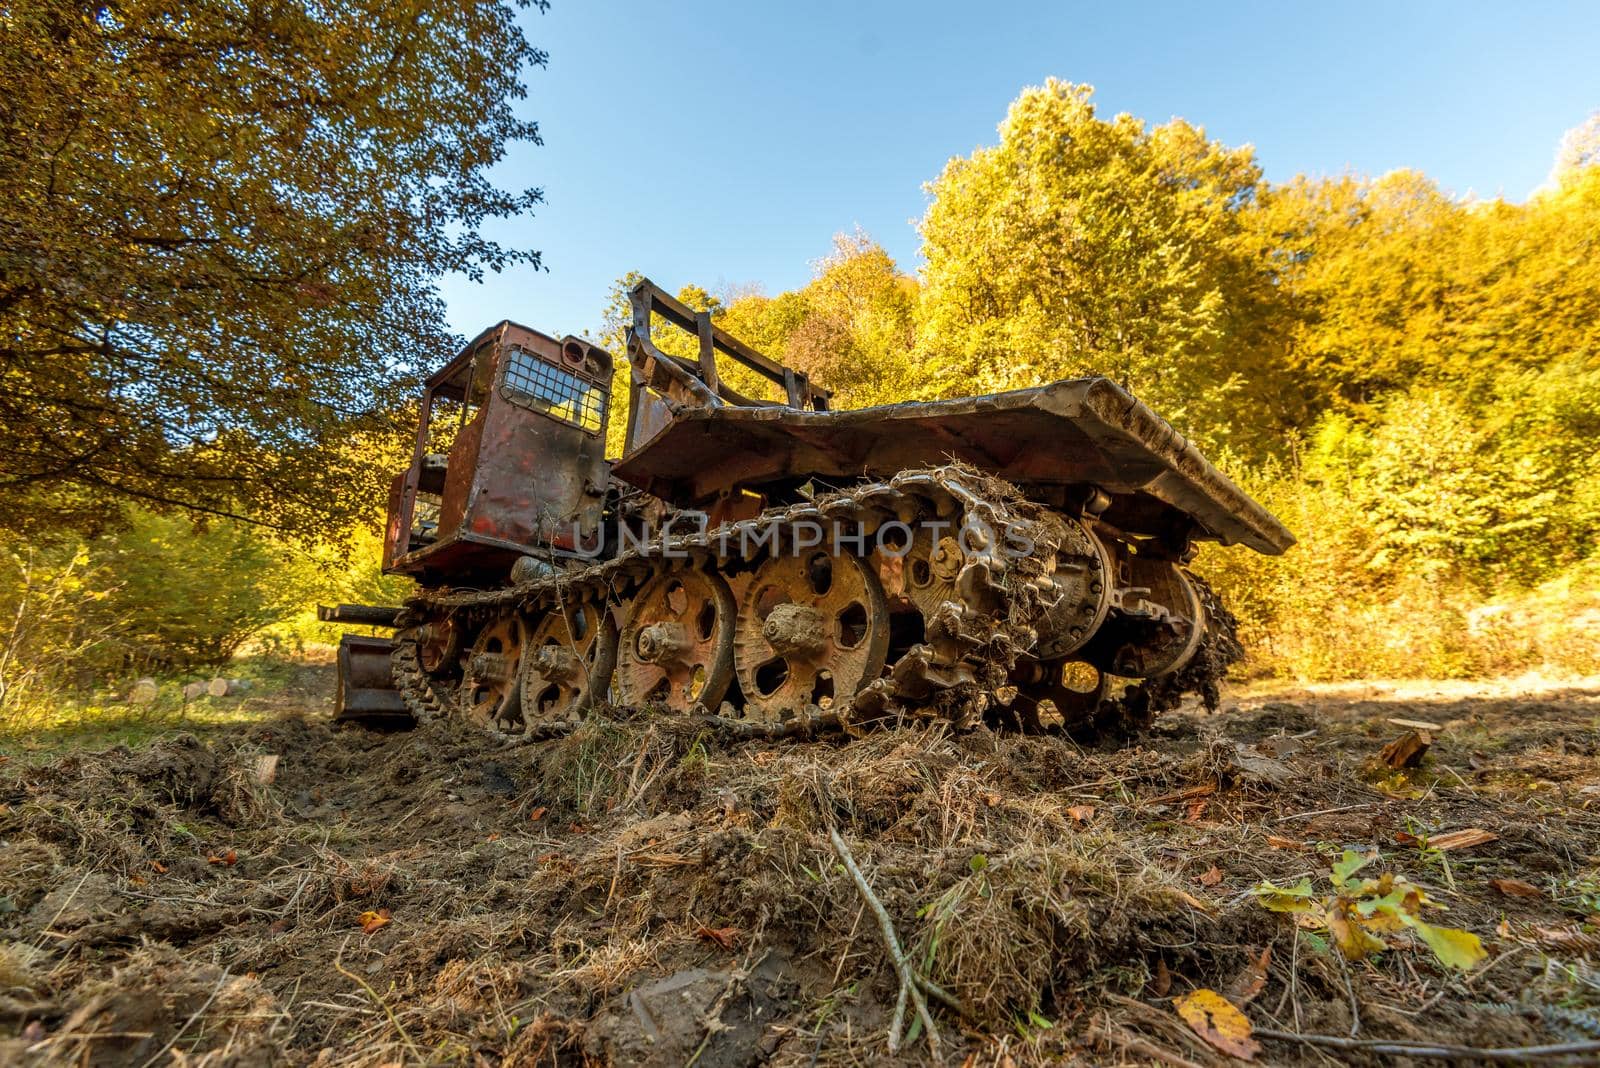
[971,644]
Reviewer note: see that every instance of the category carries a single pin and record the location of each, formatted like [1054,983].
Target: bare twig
[1129,1042]
[1442,1051]
[394,1021]
[1323,812]
[909,986]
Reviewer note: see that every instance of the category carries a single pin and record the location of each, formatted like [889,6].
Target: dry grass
[540,895]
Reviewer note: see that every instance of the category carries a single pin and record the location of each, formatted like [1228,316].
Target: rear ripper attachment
[1013,559]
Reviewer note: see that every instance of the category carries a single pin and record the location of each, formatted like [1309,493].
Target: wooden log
[1407,750]
[143,692]
[265,770]
[194,691]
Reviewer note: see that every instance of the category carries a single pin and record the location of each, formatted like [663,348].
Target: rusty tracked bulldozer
[1018,558]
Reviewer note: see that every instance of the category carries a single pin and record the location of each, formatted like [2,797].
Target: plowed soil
[645,891]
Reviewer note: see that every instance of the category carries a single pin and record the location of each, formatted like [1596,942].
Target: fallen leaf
[726,937]
[1353,940]
[1161,982]
[1406,838]
[1210,877]
[1454,948]
[1347,865]
[493,837]
[1285,843]
[158,867]
[229,858]
[1252,980]
[577,828]
[1215,1019]
[1462,839]
[1191,900]
[1194,810]
[372,920]
[1297,898]
[1081,813]
[537,814]
[1516,888]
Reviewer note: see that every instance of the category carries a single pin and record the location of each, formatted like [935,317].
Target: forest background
[212,329]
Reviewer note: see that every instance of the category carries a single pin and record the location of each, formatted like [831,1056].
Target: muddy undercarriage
[1018,559]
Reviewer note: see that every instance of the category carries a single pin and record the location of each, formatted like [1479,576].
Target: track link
[987,615]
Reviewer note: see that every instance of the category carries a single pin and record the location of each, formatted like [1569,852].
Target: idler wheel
[568,665]
[676,646]
[489,690]
[813,630]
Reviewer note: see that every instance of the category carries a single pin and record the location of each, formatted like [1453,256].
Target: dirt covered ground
[645,891]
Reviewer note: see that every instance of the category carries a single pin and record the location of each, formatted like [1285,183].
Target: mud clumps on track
[643,891]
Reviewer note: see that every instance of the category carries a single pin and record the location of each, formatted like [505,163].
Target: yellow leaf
[1454,948]
[1214,1018]
[1285,898]
[370,921]
[1352,939]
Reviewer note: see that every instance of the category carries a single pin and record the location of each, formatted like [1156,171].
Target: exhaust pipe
[365,615]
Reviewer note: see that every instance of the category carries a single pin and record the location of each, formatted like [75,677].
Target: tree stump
[1406,751]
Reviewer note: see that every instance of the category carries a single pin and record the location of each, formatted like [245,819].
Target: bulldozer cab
[509,458]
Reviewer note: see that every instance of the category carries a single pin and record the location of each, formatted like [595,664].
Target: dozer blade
[365,692]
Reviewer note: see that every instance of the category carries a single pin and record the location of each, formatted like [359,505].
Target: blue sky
[725,143]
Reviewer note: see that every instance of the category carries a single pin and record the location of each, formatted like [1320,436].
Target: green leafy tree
[1082,245]
[220,238]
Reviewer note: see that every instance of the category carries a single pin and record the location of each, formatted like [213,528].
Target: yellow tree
[220,237]
[1084,245]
